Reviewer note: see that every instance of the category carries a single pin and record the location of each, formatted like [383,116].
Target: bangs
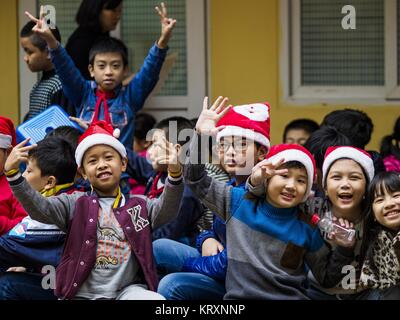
[385,183]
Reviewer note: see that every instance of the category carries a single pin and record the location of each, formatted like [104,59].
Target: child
[48,90]
[184,227]
[269,242]
[108,252]
[31,244]
[299,130]
[144,122]
[381,244]
[200,274]
[106,98]
[11,212]
[390,149]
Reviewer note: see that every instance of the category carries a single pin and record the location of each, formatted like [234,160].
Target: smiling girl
[381,244]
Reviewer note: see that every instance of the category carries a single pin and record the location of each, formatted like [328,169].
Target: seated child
[199,273]
[48,90]
[270,242]
[108,250]
[184,227]
[11,212]
[31,244]
[105,98]
[380,251]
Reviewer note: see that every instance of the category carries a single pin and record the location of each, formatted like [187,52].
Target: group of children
[124,224]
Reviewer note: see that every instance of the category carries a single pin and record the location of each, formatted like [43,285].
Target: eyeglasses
[239,145]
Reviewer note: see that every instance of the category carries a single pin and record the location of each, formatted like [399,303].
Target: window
[182,84]
[325,63]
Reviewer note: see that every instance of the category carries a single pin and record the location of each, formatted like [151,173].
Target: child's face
[108,70]
[296,136]
[386,208]
[287,190]
[345,187]
[33,176]
[156,150]
[102,165]
[238,155]
[35,59]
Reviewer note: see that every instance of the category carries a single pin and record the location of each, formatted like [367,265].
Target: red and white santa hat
[362,157]
[7,133]
[99,132]
[251,121]
[294,152]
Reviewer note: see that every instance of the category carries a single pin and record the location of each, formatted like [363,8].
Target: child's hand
[169,155]
[211,247]
[18,154]
[167,24]
[206,124]
[82,123]
[264,170]
[339,240]
[42,29]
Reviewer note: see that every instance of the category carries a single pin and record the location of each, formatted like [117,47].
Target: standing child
[108,251]
[11,212]
[381,244]
[106,98]
[270,242]
[48,90]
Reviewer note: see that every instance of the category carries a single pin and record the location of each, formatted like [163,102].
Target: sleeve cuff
[15,179]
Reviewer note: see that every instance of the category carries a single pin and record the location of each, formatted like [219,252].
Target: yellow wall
[245,50]
[9,96]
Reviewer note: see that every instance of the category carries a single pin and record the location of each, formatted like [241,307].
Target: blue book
[37,127]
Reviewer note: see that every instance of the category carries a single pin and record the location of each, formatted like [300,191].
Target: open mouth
[392,213]
[287,196]
[345,197]
[104,175]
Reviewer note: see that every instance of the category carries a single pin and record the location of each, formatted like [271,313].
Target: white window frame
[295,93]
[188,105]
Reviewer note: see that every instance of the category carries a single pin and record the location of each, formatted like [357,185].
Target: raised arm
[74,85]
[145,80]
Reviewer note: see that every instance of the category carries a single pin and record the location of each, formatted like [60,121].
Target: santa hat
[294,152]
[7,133]
[99,132]
[363,158]
[251,121]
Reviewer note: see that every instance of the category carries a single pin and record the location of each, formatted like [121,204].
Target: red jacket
[11,211]
[79,255]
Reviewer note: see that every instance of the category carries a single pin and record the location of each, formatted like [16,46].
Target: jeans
[170,256]
[23,286]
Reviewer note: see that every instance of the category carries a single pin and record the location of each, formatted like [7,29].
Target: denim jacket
[128,100]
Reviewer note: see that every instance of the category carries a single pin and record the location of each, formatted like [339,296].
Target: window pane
[65,15]
[141,28]
[331,55]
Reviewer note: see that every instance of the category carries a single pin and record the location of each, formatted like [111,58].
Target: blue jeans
[23,286]
[170,257]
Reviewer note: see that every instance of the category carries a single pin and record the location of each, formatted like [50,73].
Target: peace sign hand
[42,29]
[167,25]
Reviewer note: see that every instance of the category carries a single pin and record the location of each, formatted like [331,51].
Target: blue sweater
[128,100]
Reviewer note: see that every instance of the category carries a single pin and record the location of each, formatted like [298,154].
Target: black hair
[354,124]
[382,182]
[323,138]
[55,156]
[307,125]
[36,40]
[108,45]
[144,122]
[181,124]
[389,144]
[89,12]
[68,133]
